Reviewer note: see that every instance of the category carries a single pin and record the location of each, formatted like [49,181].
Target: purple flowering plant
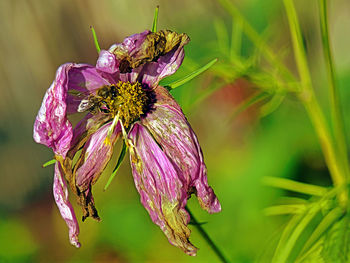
[122,100]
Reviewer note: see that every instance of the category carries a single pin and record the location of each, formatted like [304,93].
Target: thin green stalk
[53,161]
[236,40]
[204,234]
[192,75]
[119,162]
[294,186]
[97,45]
[155,19]
[308,98]
[337,117]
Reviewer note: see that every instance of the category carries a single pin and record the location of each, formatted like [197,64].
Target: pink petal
[51,127]
[96,154]
[107,62]
[166,65]
[162,191]
[60,193]
[171,130]
[86,78]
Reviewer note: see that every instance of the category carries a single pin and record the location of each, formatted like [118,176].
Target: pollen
[126,99]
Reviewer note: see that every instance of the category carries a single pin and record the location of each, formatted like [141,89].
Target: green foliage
[317,230]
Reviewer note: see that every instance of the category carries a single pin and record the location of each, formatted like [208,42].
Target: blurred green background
[37,36]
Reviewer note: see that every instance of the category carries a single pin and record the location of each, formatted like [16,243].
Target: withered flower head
[122,99]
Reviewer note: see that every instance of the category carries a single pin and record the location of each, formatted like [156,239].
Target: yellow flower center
[129,100]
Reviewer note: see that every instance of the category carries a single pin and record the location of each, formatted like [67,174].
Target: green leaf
[119,162]
[192,75]
[97,45]
[285,209]
[155,19]
[285,250]
[323,226]
[49,163]
[294,186]
[272,105]
[222,36]
[236,39]
[286,234]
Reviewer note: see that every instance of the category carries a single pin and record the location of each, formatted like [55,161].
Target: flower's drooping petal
[93,159]
[60,193]
[95,155]
[162,192]
[51,127]
[166,65]
[169,127]
[83,130]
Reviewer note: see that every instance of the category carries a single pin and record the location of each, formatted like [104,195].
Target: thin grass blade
[97,45]
[323,226]
[53,161]
[285,251]
[294,186]
[284,209]
[236,40]
[192,75]
[119,162]
[155,19]
[222,36]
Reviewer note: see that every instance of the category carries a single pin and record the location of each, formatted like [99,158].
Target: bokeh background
[37,36]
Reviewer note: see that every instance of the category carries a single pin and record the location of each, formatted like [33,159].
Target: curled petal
[162,192]
[170,128]
[51,127]
[95,155]
[107,62]
[83,130]
[165,66]
[85,79]
[160,53]
[119,57]
[60,193]
[131,44]
[73,82]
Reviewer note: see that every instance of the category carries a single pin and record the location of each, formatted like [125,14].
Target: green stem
[308,98]
[207,238]
[337,117]
[97,45]
[155,19]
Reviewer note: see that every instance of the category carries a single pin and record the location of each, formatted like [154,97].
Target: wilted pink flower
[122,99]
